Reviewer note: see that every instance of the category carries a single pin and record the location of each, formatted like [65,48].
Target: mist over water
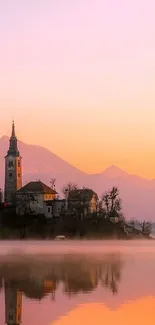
[76,246]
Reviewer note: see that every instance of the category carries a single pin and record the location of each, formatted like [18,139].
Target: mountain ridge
[138,194]
[5,138]
[110,171]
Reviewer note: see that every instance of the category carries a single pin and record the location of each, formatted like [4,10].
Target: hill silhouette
[138,194]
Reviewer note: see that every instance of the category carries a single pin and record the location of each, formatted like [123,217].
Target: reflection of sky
[138,313]
[137,282]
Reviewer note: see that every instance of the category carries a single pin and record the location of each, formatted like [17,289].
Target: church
[13,170]
[31,198]
[36,198]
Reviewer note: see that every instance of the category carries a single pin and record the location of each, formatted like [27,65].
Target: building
[54,208]
[31,198]
[13,170]
[82,201]
[13,304]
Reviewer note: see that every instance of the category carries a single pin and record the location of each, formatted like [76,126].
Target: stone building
[13,170]
[82,201]
[31,198]
[54,208]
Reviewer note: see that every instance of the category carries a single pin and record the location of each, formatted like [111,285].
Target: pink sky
[79,79]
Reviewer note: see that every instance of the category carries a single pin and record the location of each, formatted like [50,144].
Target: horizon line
[87,173]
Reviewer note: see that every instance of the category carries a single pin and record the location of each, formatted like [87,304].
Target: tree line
[107,221]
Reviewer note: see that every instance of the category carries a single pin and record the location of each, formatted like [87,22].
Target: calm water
[86,283]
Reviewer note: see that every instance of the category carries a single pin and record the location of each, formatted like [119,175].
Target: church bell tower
[13,170]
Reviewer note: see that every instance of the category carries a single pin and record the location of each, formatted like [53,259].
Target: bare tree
[52,182]
[111,202]
[146,227]
[24,203]
[115,199]
[67,188]
[105,201]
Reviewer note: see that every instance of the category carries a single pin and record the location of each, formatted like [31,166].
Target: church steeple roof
[13,148]
[13,129]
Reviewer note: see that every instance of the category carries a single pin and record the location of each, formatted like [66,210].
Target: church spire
[13,149]
[13,135]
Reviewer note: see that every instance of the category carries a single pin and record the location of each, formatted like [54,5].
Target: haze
[79,79]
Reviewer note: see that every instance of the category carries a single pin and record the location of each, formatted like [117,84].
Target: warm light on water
[78,282]
[131,313]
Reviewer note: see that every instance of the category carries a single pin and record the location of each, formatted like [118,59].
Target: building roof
[37,187]
[82,194]
[13,147]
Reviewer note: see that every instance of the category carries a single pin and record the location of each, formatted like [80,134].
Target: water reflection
[13,303]
[78,274]
[91,289]
[42,277]
[140,312]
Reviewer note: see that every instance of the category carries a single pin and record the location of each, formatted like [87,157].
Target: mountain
[40,163]
[115,172]
[138,194]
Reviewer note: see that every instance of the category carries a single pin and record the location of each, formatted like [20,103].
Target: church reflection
[38,279]
[13,303]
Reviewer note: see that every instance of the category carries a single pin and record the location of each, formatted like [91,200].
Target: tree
[115,199]
[105,201]
[25,212]
[111,201]
[67,188]
[23,203]
[146,227]
[52,182]
[132,222]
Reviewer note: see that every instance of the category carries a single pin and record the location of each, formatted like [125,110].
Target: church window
[18,163]
[10,174]
[10,163]
[49,209]
[10,317]
[19,175]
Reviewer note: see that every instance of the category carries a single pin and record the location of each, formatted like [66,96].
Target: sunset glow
[138,312]
[79,77]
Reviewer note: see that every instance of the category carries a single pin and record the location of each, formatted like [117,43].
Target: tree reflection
[110,277]
[78,274]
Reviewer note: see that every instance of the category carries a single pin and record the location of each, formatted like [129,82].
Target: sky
[78,77]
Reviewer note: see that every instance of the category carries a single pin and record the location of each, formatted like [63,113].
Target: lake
[77,282]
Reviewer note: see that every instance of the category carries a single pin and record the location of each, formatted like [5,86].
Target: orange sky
[79,79]
[92,142]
